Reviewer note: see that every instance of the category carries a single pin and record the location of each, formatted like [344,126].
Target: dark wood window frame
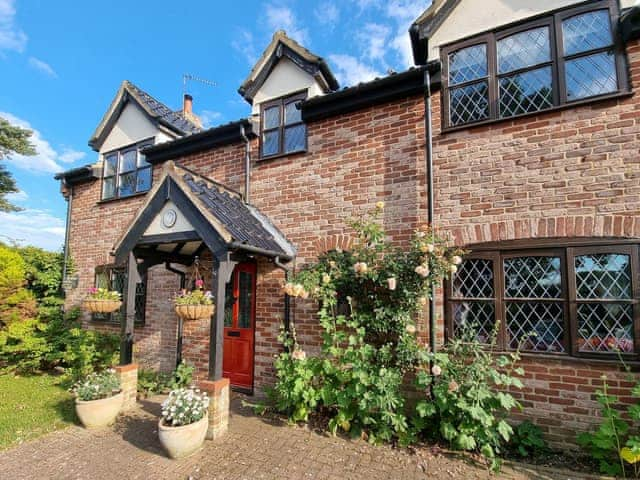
[281,103]
[557,62]
[497,253]
[118,154]
[141,295]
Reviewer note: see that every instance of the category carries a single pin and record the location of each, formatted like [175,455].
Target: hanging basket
[101,306]
[194,312]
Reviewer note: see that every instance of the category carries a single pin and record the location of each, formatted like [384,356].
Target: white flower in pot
[98,399]
[183,425]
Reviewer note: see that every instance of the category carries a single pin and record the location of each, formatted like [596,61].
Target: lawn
[31,406]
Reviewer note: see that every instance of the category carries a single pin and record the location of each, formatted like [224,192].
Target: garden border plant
[369,299]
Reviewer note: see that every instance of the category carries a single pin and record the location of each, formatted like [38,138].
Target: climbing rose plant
[369,299]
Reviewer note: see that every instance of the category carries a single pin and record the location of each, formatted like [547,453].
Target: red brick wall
[95,227]
[572,173]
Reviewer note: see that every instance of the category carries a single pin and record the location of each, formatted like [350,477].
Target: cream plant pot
[99,413]
[182,441]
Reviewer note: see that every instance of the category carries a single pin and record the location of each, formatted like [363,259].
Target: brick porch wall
[573,173]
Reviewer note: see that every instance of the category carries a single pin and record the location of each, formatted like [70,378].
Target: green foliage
[43,273]
[527,440]
[97,385]
[103,294]
[13,139]
[611,444]
[194,297]
[368,300]
[469,400]
[151,382]
[32,345]
[16,302]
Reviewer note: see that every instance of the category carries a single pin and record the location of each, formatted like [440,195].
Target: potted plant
[98,399]
[184,422]
[194,304]
[102,300]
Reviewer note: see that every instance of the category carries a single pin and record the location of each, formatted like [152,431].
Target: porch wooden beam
[223,269]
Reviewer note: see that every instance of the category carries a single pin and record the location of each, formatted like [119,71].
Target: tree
[12,140]
[16,302]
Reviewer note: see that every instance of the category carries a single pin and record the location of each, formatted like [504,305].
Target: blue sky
[61,64]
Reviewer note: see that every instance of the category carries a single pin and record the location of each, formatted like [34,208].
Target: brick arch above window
[333,242]
[614,226]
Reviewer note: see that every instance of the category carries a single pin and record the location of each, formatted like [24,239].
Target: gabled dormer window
[283,130]
[126,172]
[571,55]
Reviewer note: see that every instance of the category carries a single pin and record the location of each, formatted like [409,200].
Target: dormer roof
[282,46]
[157,112]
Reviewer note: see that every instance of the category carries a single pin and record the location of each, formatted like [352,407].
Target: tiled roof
[162,112]
[243,222]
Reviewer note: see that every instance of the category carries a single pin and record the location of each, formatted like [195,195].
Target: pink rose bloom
[453,386]
[199,283]
[436,370]
[298,354]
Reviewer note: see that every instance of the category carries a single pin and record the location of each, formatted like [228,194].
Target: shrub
[611,444]
[151,382]
[527,440]
[31,345]
[17,303]
[97,385]
[368,301]
[184,406]
[468,401]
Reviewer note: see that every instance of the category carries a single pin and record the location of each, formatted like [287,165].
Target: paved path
[254,448]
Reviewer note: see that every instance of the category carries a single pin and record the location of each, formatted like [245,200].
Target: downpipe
[247,164]
[182,276]
[287,298]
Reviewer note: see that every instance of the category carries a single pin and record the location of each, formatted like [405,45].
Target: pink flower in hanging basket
[199,283]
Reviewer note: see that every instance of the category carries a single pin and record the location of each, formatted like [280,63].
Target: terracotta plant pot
[194,312]
[99,413]
[101,306]
[182,441]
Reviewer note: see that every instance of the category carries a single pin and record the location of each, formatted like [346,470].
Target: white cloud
[43,67]
[351,71]
[403,12]
[70,155]
[327,14]
[19,196]
[245,45]
[374,40]
[46,160]
[33,227]
[11,37]
[280,17]
[209,118]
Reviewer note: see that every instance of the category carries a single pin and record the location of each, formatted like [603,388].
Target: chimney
[187,110]
[187,105]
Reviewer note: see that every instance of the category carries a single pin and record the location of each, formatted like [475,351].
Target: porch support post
[127,327]
[221,275]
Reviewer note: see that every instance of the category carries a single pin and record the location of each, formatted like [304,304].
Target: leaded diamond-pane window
[526,92]
[474,310]
[469,103]
[537,325]
[603,276]
[115,278]
[474,279]
[588,31]
[591,75]
[468,64]
[574,299]
[524,49]
[569,55]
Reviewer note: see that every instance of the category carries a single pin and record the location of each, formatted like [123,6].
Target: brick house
[520,122]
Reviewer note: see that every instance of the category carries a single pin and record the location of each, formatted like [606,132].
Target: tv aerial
[187,77]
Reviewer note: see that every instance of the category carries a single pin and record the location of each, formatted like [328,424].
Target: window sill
[604,360]
[558,108]
[281,155]
[115,199]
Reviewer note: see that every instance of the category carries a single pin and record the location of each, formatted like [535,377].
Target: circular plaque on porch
[169,218]
[101,306]
[194,312]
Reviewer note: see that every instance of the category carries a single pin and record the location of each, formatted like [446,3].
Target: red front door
[239,326]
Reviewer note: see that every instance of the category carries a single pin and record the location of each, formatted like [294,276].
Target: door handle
[233,334]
